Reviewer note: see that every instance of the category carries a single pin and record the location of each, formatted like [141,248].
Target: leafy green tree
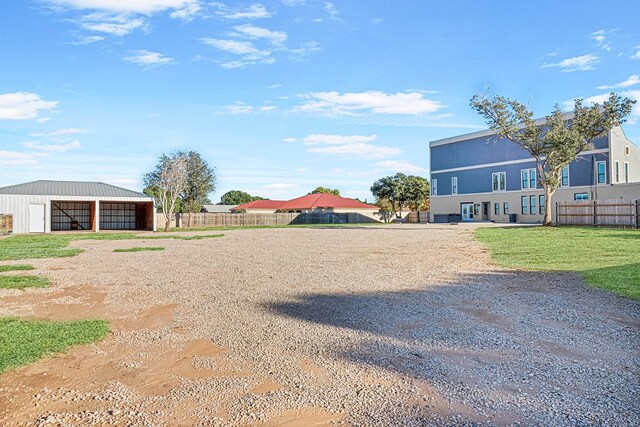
[558,139]
[167,182]
[320,190]
[201,180]
[418,191]
[236,197]
[393,189]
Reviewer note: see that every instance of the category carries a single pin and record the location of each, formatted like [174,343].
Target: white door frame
[37,217]
[469,211]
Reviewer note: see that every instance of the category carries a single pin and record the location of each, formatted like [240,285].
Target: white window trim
[616,172]
[454,179]
[524,183]
[568,177]
[505,182]
[625,172]
[434,187]
[604,162]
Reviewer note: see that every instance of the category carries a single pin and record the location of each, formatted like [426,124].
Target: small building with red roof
[322,203]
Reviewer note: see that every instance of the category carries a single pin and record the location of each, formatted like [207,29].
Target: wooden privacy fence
[612,212]
[6,223]
[223,219]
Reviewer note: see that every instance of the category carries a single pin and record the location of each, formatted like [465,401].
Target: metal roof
[70,188]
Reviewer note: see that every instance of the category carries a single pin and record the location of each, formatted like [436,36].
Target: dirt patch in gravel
[402,325]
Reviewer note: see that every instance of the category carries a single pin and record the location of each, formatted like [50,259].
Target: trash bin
[513,218]
[74,224]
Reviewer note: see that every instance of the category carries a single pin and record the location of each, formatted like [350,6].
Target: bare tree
[167,182]
[558,139]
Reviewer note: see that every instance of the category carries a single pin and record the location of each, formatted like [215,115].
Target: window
[532,178]
[499,181]
[476,209]
[617,171]
[505,208]
[626,150]
[528,178]
[581,196]
[434,187]
[532,205]
[626,172]
[454,185]
[523,203]
[496,208]
[602,172]
[542,205]
[564,177]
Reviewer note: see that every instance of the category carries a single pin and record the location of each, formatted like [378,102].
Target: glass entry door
[466,211]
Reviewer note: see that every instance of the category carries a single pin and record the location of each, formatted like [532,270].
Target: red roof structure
[323,201]
[261,204]
[308,202]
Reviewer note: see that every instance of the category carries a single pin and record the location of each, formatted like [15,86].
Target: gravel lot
[403,325]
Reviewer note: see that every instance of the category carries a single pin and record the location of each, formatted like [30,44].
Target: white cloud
[274,86]
[255,11]
[249,53]
[399,166]
[253,32]
[116,25]
[239,108]
[52,148]
[302,170]
[331,10]
[23,106]
[293,2]
[14,158]
[576,63]
[349,145]
[600,37]
[88,40]
[637,54]
[121,17]
[56,134]
[378,102]
[188,12]
[145,7]
[268,107]
[315,139]
[233,46]
[147,58]
[631,81]
[300,53]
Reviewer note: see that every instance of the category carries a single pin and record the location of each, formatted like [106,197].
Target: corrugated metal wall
[18,206]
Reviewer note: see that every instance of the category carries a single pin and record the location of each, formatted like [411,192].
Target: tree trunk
[548,192]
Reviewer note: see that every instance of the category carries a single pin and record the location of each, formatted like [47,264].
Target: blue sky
[282,96]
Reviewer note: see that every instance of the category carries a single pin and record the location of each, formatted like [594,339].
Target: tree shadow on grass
[534,346]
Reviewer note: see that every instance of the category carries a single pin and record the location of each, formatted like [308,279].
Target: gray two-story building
[481,177]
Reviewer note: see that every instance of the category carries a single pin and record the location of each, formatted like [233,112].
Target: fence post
[595,213]
[637,214]
[557,216]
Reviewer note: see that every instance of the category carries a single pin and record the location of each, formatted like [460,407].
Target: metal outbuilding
[46,206]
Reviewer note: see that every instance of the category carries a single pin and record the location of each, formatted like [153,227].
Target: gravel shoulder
[393,325]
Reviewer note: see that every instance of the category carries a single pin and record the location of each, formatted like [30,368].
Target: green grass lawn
[16,267]
[25,341]
[21,282]
[607,258]
[141,249]
[57,245]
